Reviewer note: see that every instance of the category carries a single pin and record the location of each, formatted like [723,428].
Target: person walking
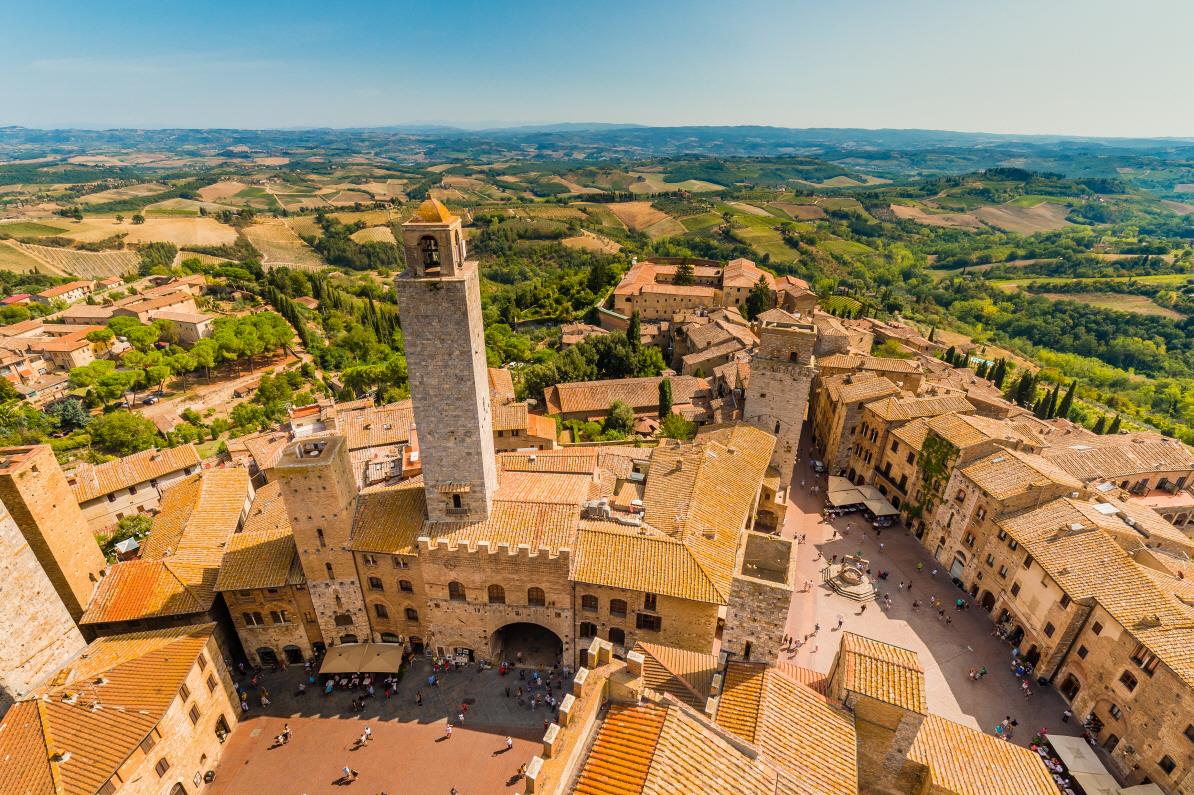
[448,731]
[840,620]
[509,743]
[285,733]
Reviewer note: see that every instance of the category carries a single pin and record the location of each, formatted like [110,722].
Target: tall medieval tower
[781,375]
[320,492]
[439,297]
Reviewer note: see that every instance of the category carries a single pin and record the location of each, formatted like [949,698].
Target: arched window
[390,637]
[349,638]
[617,607]
[536,597]
[617,636]
[375,584]
[380,611]
[588,629]
[497,595]
[588,602]
[331,573]
[456,591]
[429,251]
[412,614]
[405,586]
[343,620]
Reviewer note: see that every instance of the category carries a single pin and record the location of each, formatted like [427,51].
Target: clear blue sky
[1097,67]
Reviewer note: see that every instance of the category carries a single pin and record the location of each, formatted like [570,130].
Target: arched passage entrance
[537,645]
[988,601]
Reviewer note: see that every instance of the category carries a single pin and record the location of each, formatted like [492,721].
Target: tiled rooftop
[91,481]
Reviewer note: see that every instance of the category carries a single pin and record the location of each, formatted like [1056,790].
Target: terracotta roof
[858,387]
[895,409]
[1121,456]
[687,675]
[182,317]
[744,273]
[912,433]
[1073,544]
[798,730]
[1009,473]
[63,289]
[92,481]
[857,361]
[389,521]
[266,448]
[510,417]
[376,426]
[967,430]
[119,690]
[964,761]
[657,564]
[263,555]
[180,561]
[501,384]
[883,672]
[539,525]
[595,397]
[431,211]
[576,460]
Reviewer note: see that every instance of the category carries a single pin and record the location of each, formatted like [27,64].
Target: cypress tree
[665,397]
[1067,402]
[1051,411]
[949,356]
[634,333]
[1101,425]
[1114,425]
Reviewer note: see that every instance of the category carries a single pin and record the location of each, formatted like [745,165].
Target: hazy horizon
[1068,68]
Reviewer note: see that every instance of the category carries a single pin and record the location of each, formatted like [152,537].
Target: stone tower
[39,634]
[320,492]
[439,298]
[41,502]
[760,597]
[781,375]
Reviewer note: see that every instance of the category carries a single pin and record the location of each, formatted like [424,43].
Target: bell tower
[439,299]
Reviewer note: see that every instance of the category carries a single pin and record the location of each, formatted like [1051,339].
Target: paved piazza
[947,651]
[409,752]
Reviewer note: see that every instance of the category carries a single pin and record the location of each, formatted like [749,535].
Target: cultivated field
[1044,217]
[13,259]
[224,189]
[85,264]
[654,183]
[29,229]
[120,194]
[591,242]
[642,217]
[1181,208]
[279,245]
[750,208]
[801,212]
[952,220]
[1138,304]
[374,234]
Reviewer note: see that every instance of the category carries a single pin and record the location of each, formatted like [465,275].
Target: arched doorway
[1033,656]
[416,644]
[530,644]
[958,567]
[1070,687]
[988,601]
[267,657]
[294,655]
[349,638]
[617,636]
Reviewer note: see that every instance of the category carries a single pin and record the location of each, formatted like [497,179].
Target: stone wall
[298,628]
[39,635]
[392,572]
[43,505]
[449,384]
[684,624]
[755,617]
[776,403]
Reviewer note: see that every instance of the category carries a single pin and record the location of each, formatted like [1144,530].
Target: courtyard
[948,650]
[409,752]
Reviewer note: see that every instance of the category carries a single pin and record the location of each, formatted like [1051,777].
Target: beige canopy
[351,658]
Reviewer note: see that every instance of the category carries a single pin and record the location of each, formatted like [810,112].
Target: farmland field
[654,183]
[279,245]
[591,242]
[13,259]
[952,220]
[641,215]
[85,264]
[224,189]
[1138,304]
[120,194]
[30,229]
[801,212]
[1043,217]
[374,234]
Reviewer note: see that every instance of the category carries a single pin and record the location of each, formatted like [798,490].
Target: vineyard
[279,245]
[84,264]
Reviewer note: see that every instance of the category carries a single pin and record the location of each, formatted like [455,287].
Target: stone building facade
[319,491]
[275,623]
[781,375]
[40,501]
[39,634]
[760,597]
[439,296]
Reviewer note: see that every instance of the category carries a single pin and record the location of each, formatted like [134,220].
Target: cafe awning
[1088,770]
[840,497]
[880,507]
[351,658]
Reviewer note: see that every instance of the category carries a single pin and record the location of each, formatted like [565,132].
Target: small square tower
[439,299]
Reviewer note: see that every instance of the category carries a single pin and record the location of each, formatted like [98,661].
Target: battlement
[486,547]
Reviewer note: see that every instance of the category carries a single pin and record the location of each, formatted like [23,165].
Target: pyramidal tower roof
[432,211]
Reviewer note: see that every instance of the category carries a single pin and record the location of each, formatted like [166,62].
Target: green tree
[8,391]
[759,300]
[248,416]
[69,413]
[1067,402]
[1114,427]
[206,353]
[1100,426]
[136,526]
[665,397]
[620,419]
[100,335]
[684,273]
[674,426]
[138,218]
[122,433]
[634,332]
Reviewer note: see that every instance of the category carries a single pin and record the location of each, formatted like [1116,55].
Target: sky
[1081,67]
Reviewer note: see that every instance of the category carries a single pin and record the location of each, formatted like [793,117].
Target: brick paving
[947,652]
[409,752]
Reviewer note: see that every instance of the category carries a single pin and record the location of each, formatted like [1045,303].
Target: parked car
[149,401]
[819,467]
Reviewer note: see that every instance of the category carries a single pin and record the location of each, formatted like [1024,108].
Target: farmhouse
[649,286]
[67,293]
[110,491]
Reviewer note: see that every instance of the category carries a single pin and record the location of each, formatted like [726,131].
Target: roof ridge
[676,675]
[48,738]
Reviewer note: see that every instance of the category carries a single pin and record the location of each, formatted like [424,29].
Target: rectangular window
[1146,660]
[650,602]
[211,683]
[911,459]
[1028,561]
[279,617]
[369,560]
[1065,601]
[1167,764]
[202,662]
[108,789]
[1114,711]
[1128,680]
[193,714]
[381,611]
[1190,732]
[648,621]
[400,563]
[1015,585]
[148,743]
[252,619]
[184,692]
[1096,627]
[161,767]
[990,560]
[1082,652]
[1002,535]
[1013,545]
[1003,574]
[1049,629]
[895,446]
[970,539]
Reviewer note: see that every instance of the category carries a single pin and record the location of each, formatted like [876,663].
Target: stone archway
[532,644]
[988,601]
